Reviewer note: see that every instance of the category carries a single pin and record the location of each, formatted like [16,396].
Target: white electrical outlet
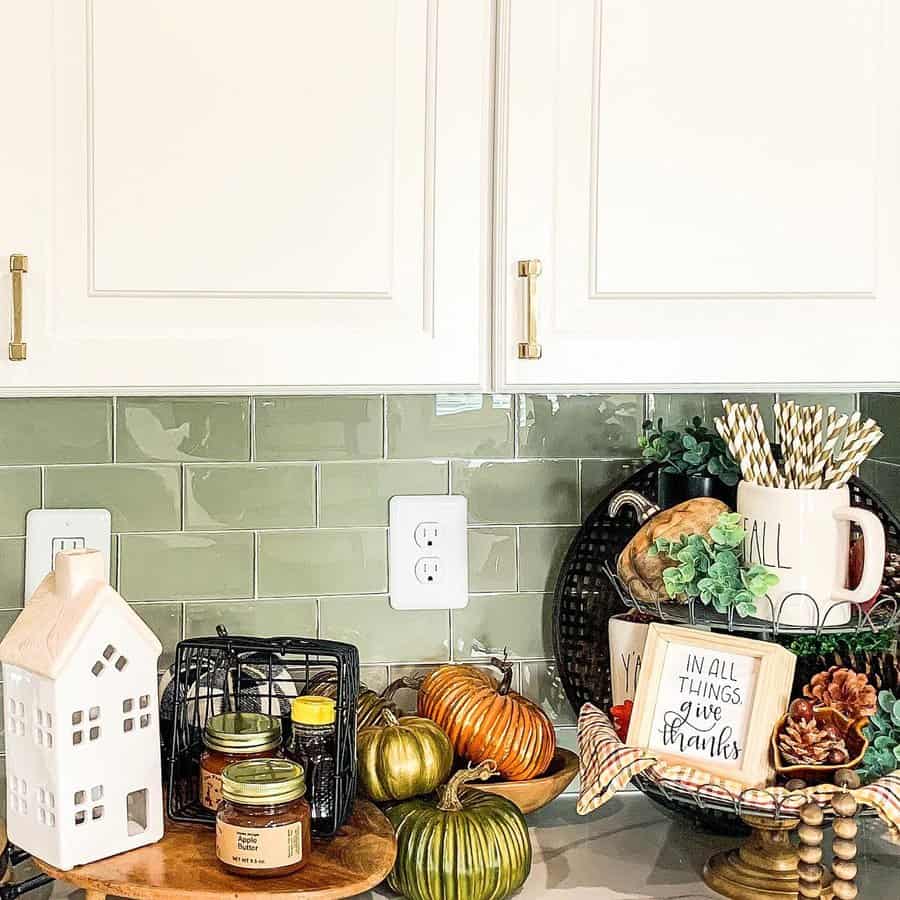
[429,559]
[47,531]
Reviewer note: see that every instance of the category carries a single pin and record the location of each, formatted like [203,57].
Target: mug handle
[873,567]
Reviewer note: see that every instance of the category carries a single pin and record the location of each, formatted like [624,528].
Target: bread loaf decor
[710,568]
[639,569]
[487,720]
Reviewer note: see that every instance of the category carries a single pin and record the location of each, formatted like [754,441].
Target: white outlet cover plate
[450,549]
[49,530]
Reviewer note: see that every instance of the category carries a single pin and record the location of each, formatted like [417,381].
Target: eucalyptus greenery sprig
[883,734]
[711,568]
[696,451]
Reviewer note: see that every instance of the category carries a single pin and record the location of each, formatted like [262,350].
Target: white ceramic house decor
[83,777]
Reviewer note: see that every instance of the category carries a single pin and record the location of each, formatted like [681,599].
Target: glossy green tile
[375,678]
[358,493]
[677,410]
[843,403]
[884,478]
[469,425]
[599,477]
[492,559]
[541,551]
[185,566]
[182,429]
[383,634]
[249,495]
[47,430]
[12,572]
[7,617]
[885,410]
[322,561]
[164,620]
[139,497]
[519,623]
[568,738]
[255,618]
[509,492]
[541,683]
[553,425]
[338,427]
[20,491]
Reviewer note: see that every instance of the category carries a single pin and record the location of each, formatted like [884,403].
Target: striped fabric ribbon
[607,765]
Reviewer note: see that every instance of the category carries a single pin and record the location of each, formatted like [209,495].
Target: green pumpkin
[465,846]
[369,705]
[403,758]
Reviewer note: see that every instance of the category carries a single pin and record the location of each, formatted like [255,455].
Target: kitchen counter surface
[630,849]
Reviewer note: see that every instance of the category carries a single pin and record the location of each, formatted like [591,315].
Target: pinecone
[805,743]
[848,692]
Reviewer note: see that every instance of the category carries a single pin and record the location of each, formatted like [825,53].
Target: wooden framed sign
[711,701]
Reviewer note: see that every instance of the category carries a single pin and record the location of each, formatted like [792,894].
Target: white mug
[803,536]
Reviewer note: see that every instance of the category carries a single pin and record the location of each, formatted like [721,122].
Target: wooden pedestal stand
[183,866]
[764,868]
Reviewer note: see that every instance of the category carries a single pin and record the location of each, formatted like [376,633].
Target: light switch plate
[428,552]
[47,531]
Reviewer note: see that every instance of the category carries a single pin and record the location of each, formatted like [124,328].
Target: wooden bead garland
[844,847]
[811,834]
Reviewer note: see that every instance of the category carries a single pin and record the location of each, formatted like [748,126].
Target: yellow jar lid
[313,710]
[263,782]
[242,732]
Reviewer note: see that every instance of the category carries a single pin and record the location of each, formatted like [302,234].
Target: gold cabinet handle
[529,269]
[18,266]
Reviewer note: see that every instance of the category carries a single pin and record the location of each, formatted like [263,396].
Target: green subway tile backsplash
[139,497]
[182,429]
[249,495]
[553,425]
[358,493]
[322,561]
[48,430]
[268,514]
[466,425]
[340,427]
[186,566]
[20,491]
[526,491]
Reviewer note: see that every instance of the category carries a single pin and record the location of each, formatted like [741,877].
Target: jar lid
[263,782]
[242,732]
[313,710]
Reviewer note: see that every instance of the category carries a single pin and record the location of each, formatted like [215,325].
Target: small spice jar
[230,738]
[313,747]
[263,827]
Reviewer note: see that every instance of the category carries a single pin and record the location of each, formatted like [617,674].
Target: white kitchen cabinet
[712,188]
[213,194]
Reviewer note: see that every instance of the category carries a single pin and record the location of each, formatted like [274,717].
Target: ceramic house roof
[60,614]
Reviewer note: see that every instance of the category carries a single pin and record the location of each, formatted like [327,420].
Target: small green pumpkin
[403,758]
[466,846]
[370,705]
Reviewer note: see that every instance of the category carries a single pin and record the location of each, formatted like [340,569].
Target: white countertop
[630,850]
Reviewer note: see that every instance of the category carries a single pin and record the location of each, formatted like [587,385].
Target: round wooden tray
[183,865]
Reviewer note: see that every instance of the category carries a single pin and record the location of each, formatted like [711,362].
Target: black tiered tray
[586,597]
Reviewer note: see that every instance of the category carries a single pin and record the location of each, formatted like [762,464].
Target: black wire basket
[230,674]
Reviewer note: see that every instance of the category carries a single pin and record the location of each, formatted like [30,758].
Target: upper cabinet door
[712,188]
[280,193]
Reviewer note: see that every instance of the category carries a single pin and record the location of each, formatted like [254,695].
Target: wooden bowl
[856,748]
[536,793]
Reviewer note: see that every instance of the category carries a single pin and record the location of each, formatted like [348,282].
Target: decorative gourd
[641,573]
[369,705]
[403,758]
[467,845]
[485,720]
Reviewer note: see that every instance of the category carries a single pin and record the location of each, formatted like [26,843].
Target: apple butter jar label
[259,848]
[210,789]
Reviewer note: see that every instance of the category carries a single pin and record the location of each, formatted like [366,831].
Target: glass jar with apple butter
[230,738]
[263,823]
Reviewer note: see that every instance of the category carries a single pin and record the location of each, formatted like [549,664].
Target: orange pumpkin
[486,720]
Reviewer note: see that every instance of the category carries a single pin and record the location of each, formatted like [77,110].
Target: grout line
[578,482]
[252,421]
[318,497]
[255,564]
[43,486]
[384,428]
[517,555]
[114,444]
[514,408]
[183,493]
